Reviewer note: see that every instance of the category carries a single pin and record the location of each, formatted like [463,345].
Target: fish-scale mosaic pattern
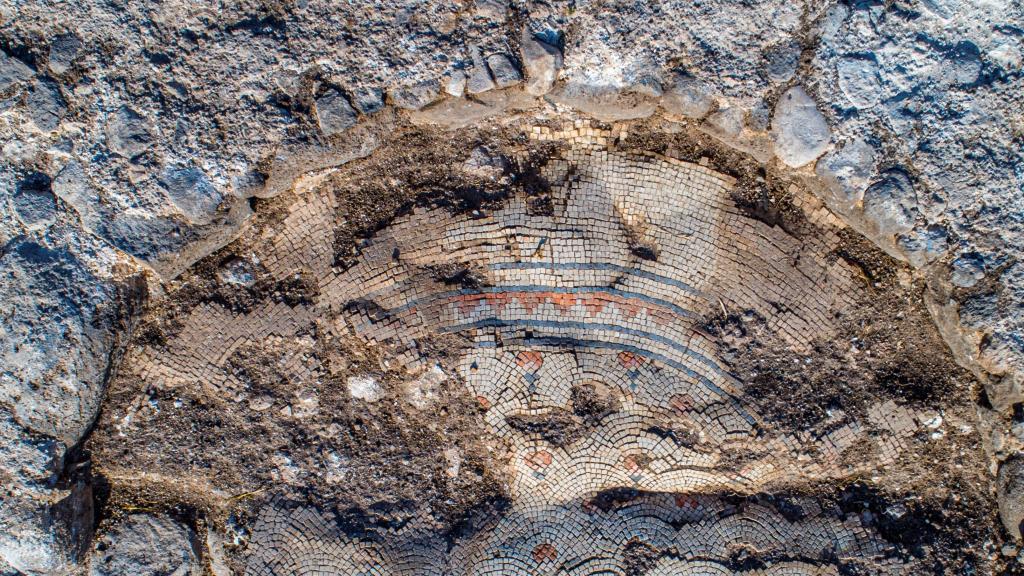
[610,287]
[607,290]
[687,535]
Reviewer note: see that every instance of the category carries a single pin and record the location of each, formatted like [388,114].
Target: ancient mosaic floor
[587,307]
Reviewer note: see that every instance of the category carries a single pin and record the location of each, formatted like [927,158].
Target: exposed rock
[56,362]
[688,96]
[128,133]
[192,192]
[728,122]
[144,545]
[167,242]
[782,61]
[334,113]
[237,271]
[542,62]
[606,104]
[12,71]
[455,83]
[849,169]
[417,96]
[925,88]
[858,79]
[924,244]
[1010,487]
[496,10]
[799,130]
[368,100]
[45,105]
[505,73]
[965,62]
[63,51]
[365,388]
[34,202]
[479,79]
[485,164]
[43,531]
[890,203]
[63,326]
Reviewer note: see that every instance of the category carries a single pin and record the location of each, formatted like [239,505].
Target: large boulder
[65,318]
[61,324]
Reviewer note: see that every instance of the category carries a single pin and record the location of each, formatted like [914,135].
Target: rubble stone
[334,113]
[542,62]
[688,96]
[799,130]
[144,545]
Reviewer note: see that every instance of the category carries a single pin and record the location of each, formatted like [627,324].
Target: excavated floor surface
[550,349]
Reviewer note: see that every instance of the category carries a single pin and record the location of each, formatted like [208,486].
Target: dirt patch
[949,528]
[422,167]
[887,347]
[591,403]
[311,442]
[640,557]
[559,427]
[761,192]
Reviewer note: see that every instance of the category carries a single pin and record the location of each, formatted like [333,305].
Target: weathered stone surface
[417,96]
[505,73]
[968,270]
[799,129]
[781,61]
[605,103]
[34,202]
[542,62]
[46,105]
[491,9]
[478,79]
[58,337]
[942,90]
[688,96]
[237,271]
[128,133]
[891,204]
[485,164]
[334,113]
[727,122]
[64,322]
[44,531]
[368,100]
[191,192]
[1010,486]
[848,169]
[63,50]
[12,71]
[144,545]
[455,83]
[365,388]
[858,79]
